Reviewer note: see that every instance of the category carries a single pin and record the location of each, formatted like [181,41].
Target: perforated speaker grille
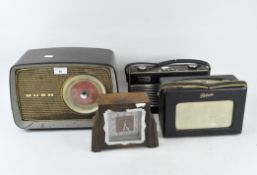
[39,91]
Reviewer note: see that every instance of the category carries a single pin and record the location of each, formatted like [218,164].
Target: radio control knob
[141,68]
[192,66]
[165,68]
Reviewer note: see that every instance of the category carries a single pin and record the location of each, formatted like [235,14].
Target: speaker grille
[150,89]
[39,91]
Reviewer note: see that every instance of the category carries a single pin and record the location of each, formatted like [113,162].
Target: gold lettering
[27,95]
[206,95]
[35,95]
[50,94]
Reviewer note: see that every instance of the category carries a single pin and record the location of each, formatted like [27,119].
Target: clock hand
[125,127]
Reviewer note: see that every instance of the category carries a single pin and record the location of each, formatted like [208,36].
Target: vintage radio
[59,87]
[205,105]
[145,77]
[123,120]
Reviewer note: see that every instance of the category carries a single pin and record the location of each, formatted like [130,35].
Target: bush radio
[59,87]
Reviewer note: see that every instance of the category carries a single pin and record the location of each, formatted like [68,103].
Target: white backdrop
[222,32]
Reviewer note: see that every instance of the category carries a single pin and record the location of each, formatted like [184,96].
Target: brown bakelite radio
[59,87]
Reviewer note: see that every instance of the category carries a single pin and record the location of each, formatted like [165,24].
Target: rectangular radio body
[145,77]
[58,87]
[205,105]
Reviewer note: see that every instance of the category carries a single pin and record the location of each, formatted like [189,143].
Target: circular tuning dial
[81,92]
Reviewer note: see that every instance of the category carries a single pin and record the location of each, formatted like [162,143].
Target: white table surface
[221,32]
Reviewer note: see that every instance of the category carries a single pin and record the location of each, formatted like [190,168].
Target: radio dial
[80,93]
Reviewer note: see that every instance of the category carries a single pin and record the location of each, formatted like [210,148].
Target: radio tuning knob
[192,66]
[141,68]
[165,68]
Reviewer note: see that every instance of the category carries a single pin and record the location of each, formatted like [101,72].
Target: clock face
[126,127]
